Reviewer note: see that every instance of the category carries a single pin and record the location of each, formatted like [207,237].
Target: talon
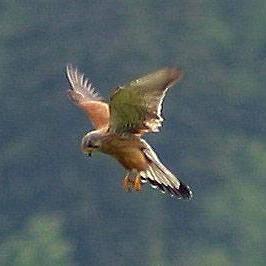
[137,183]
[127,184]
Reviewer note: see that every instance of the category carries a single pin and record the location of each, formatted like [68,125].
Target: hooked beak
[87,150]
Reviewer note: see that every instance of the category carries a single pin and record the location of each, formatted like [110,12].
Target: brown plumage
[84,96]
[134,109]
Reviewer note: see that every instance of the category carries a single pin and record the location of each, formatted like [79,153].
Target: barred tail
[160,177]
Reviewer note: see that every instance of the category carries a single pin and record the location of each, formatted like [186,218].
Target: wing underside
[83,94]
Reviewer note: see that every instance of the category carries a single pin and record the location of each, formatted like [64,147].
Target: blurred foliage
[40,243]
[213,136]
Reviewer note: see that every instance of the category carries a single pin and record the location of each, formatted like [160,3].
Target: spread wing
[85,97]
[136,107]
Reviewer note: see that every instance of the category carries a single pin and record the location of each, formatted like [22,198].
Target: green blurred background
[60,208]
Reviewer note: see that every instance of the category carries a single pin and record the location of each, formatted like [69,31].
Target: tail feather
[160,177]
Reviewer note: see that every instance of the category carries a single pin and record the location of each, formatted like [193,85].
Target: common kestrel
[133,110]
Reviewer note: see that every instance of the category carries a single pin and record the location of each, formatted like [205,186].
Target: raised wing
[85,97]
[136,107]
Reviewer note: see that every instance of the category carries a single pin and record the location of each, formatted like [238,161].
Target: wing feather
[159,176]
[85,97]
[136,107]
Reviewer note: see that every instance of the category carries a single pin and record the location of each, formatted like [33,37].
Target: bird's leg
[131,181]
[137,183]
[127,182]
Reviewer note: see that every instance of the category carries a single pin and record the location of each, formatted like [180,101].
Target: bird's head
[91,142]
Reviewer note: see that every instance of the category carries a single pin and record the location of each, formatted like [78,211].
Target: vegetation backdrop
[59,207]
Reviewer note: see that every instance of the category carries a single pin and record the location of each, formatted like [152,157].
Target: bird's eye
[93,145]
[89,144]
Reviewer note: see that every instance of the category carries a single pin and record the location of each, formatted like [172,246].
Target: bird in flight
[133,110]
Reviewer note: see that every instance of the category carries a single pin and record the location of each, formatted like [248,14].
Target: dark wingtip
[185,191]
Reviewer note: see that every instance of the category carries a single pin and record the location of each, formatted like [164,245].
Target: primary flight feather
[134,109]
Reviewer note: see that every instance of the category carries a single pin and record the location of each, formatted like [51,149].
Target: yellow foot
[137,183]
[127,184]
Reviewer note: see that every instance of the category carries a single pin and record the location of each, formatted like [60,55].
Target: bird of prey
[133,110]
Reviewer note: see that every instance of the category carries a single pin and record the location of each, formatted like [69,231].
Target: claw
[137,183]
[127,184]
